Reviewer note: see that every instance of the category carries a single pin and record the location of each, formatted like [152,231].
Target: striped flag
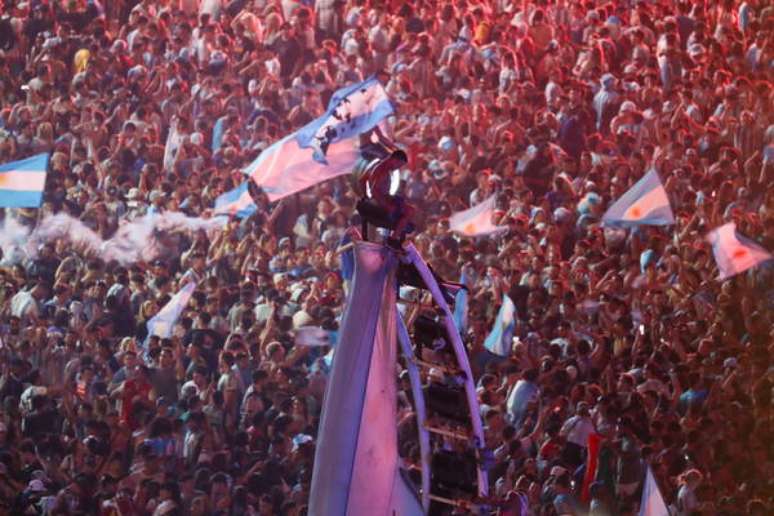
[733,252]
[645,203]
[286,168]
[163,322]
[357,464]
[352,110]
[652,503]
[236,203]
[500,338]
[22,182]
[476,221]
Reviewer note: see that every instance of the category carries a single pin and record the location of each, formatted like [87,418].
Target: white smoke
[141,239]
[13,237]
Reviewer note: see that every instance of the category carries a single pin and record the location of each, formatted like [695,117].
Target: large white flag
[652,503]
[357,466]
[476,221]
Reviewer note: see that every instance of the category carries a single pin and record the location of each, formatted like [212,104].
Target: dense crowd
[556,106]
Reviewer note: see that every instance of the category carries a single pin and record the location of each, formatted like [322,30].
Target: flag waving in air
[476,221]
[22,182]
[236,202]
[163,322]
[733,252]
[325,148]
[645,203]
[499,339]
[285,168]
[352,110]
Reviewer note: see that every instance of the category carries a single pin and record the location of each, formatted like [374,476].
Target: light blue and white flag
[733,252]
[476,221]
[500,339]
[285,168]
[461,305]
[652,503]
[645,203]
[237,202]
[22,182]
[163,322]
[352,110]
[357,464]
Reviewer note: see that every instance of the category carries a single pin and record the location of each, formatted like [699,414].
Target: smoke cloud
[142,239]
[13,239]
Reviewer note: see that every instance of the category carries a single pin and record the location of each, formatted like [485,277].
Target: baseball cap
[36,486]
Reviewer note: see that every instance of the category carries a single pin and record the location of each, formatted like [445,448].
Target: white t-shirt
[577,430]
[23,305]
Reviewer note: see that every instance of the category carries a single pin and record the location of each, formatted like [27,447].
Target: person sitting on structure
[376,179]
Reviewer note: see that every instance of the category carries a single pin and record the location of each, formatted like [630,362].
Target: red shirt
[133,390]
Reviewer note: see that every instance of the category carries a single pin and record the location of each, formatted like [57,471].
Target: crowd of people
[555,106]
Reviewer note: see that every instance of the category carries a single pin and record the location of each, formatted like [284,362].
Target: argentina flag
[733,252]
[476,221]
[352,110]
[22,182]
[164,322]
[236,202]
[645,203]
[499,339]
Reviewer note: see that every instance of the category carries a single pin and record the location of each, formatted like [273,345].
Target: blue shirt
[523,392]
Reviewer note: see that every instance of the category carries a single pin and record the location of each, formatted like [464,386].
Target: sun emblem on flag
[739,253]
[634,212]
[470,228]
